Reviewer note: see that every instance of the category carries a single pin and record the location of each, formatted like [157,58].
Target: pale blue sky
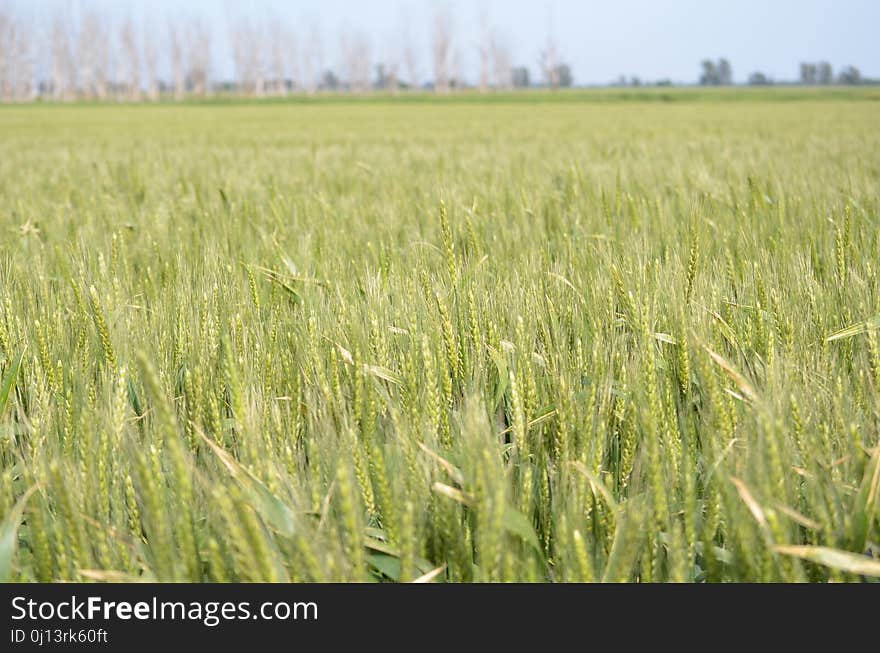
[601,40]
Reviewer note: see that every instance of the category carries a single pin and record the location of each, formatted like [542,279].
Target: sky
[650,39]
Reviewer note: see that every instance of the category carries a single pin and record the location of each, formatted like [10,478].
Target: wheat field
[518,340]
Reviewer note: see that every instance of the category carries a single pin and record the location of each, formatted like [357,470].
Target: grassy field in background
[589,95]
[513,341]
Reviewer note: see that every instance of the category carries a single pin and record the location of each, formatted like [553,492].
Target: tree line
[97,58]
[93,57]
[720,73]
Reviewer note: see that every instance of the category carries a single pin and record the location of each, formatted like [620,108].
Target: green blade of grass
[8,384]
[847,561]
[276,513]
[855,329]
[9,535]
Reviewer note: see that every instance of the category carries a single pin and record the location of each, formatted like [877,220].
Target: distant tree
[824,73]
[520,77]
[290,52]
[663,82]
[281,51]
[442,50]
[456,79]
[709,76]
[17,52]
[93,56]
[390,60]
[198,58]
[808,73]
[7,55]
[313,60]
[563,75]
[718,73]
[635,81]
[330,81]
[411,64]
[502,70]
[484,51]
[408,53]
[759,79]
[178,71]
[356,61]
[725,72]
[549,65]
[151,62]
[130,60]
[850,75]
[63,66]
[381,77]
[248,57]
[386,77]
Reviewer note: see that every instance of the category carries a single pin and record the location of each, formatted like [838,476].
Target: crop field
[557,340]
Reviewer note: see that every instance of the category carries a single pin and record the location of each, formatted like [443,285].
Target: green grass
[589,95]
[514,341]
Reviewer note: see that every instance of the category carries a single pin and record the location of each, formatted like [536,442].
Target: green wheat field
[574,338]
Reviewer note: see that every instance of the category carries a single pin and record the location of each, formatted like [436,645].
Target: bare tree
[442,49]
[502,68]
[199,70]
[549,66]
[278,58]
[239,58]
[94,56]
[386,77]
[388,72]
[7,55]
[313,60]
[17,65]
[411,63]
[356,61]
[409,54]
[151,62]
[484,49]
[63,66]
[130,61]
[389,77]
[26,87]
[456,79]
[248,57]
[178,75]
[290,52]
[257,61]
